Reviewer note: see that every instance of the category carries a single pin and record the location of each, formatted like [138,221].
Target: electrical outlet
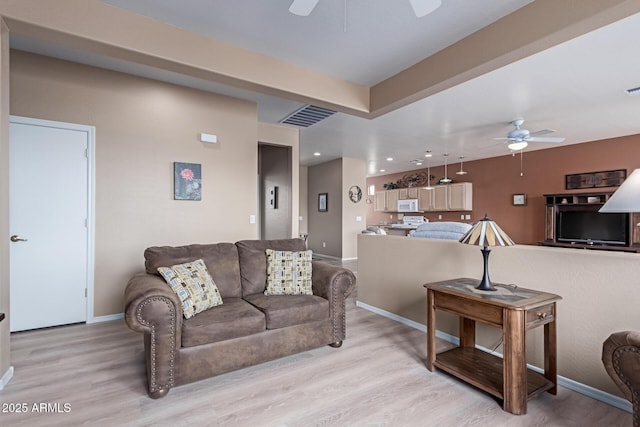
[461,216]
[467,216]
[358,218]
[252,219]
[439,216]
[324,244]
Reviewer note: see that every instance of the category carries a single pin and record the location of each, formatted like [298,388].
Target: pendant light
[461,172]
[445,179]
[428,155]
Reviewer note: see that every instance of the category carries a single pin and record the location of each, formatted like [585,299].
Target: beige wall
[4,197]
[599,291]
[354,172]
[339,227]
[326,226]
[142,127]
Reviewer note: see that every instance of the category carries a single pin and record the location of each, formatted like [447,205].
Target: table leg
[431,331]
[515,365]
[550,353]
[467,332]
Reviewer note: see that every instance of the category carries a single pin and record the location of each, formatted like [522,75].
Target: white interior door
[48,222]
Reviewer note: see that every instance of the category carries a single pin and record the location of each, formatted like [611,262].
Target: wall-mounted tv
[583,224]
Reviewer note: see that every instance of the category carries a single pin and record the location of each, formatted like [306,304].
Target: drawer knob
[542,315]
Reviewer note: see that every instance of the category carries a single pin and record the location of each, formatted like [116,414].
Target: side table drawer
[540,315]
[470,309]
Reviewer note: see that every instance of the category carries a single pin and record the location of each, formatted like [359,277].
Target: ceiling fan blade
[303,7]
[538,139]
[501,138]
[424,7]
[542,132]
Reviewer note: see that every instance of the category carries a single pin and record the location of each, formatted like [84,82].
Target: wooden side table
[512,309]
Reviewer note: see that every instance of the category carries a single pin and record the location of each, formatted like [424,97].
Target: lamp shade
[627,196]
[486,233]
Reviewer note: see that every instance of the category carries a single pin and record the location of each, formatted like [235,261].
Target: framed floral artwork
[187,181]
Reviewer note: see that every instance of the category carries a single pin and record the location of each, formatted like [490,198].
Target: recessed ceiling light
[389,159]
[316,154]
[418,163]
[383,170]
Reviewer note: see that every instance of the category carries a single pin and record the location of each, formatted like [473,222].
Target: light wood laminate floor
[377,378]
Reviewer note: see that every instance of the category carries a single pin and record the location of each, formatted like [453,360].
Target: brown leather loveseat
[248,328]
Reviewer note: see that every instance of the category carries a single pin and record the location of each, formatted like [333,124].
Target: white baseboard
[107,318]
[568,383]
[6,377]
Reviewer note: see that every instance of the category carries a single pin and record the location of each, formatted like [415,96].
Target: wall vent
[307,116]
[633,91]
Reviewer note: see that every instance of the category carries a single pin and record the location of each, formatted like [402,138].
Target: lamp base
[485,283]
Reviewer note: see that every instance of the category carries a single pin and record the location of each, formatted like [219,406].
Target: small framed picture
[322,202]
[187,181]
[519,199]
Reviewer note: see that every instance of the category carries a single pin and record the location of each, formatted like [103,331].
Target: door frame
[91,142]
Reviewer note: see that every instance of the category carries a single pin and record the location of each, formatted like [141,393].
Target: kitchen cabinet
[453,197]
[425,199]
[408,193]
[449,197]
[386,201]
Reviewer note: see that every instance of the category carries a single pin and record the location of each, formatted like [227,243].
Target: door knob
[16,238]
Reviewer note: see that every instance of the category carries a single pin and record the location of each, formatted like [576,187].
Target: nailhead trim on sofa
[153,386]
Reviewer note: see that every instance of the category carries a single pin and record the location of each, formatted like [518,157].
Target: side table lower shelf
[485,371]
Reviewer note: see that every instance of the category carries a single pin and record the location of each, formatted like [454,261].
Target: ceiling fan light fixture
[517,145]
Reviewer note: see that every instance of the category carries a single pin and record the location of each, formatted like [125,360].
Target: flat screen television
[584,225]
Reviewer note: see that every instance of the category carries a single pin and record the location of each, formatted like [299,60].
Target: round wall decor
[355,194]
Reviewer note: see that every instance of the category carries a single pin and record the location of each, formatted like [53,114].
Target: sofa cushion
[193,285]
[221,260]
[288,273]
[253,261]
[288,310]
[235,318]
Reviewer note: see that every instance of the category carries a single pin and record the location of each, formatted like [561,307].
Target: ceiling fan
[420,7]
[519,138]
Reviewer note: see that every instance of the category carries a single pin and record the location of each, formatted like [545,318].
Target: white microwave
[408,205]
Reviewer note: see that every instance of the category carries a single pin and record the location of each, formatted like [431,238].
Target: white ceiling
[576,88]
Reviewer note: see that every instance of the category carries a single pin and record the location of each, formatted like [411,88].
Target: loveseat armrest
[621,359]
[151,307]
[334,284]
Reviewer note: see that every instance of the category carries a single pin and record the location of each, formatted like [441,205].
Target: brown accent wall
[495,181]
[142,127]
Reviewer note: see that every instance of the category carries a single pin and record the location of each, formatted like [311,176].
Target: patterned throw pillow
[288,273]
[193,285]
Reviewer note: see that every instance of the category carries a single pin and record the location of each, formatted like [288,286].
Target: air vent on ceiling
[307,116]
[633,91]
